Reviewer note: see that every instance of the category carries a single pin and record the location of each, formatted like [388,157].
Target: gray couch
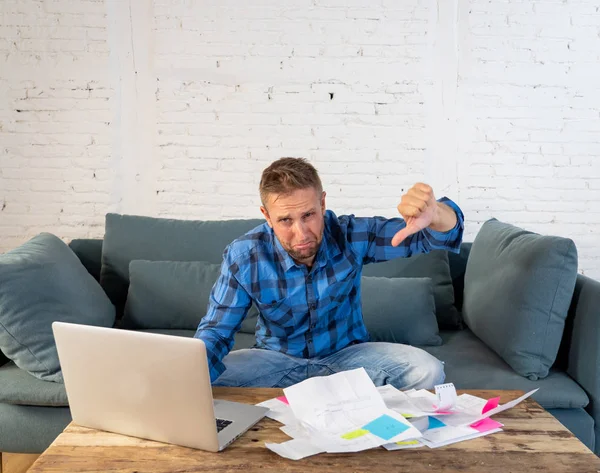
[33,412]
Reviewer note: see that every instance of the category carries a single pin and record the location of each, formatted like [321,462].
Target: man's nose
[301,229]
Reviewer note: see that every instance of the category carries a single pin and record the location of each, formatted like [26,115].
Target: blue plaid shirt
[306,313]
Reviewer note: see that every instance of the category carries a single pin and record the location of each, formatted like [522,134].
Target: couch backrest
[89,251]
[133,237]
[458,266]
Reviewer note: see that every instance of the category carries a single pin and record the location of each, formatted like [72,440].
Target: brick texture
[173,107]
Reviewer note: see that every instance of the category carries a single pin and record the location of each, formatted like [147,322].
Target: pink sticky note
[486,424]
[283,399]
[491,404]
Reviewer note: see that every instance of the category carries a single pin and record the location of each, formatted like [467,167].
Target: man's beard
[299,255]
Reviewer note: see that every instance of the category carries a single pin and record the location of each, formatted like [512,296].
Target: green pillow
[43,281]
[172,295]
[132,237]
[432,265]
[400,310]
[518,289]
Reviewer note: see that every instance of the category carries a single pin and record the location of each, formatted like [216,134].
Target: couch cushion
[518,288]
[432,265]
[89,252]
[30,429]
[42,281]
[19,387]
[458,266]
[400,310]
[579,422]
[131,237]
[172,295]
[470,364]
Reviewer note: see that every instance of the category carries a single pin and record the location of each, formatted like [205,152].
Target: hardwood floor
[16,462]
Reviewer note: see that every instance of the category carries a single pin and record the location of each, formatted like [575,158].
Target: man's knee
[429,374]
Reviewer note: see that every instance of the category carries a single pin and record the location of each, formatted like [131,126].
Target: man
[302,269]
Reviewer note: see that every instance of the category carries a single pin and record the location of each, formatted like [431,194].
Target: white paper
[470,404]
[508,405]
[337,403]
[446,397]
[404,404]
[279,411]
[294,449]
[343,412]
[452,440]
[408,444]
[295,430]
[472,415]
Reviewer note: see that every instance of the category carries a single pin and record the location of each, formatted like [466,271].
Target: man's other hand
[419,209]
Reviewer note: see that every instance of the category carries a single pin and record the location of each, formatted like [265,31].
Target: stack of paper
[345,412]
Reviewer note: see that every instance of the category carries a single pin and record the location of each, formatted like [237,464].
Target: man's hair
[287,175]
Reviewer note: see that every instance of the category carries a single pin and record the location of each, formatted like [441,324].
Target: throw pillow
[518,289]
[172,295]
[43,281]
[132,237]
[432,265]
[400,310]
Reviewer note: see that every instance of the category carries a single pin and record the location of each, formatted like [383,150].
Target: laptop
[147,385]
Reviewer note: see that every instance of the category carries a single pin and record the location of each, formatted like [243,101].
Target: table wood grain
[532,441]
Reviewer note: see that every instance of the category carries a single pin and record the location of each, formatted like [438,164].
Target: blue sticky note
[435,423]
[385,427]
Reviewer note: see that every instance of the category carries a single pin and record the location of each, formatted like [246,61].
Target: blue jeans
[402,366]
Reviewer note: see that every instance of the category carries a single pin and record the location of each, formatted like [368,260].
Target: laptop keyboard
[222,423]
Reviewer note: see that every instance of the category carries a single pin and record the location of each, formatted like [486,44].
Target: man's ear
[323,207]
[266,215]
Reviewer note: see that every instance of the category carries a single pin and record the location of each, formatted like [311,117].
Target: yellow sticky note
[355,434]
[407,416]
[408,442]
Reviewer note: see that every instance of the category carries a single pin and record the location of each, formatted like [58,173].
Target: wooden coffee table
[532,440]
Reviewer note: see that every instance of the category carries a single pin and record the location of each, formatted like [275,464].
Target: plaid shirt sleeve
[372,237]
[227,307]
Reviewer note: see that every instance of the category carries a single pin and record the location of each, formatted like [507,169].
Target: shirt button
[309,278]
[312,306]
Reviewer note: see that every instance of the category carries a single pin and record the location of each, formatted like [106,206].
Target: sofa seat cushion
[579,422]
[30,429]
[19,387]
[470,364]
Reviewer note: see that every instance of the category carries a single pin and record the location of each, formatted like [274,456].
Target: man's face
[298,221]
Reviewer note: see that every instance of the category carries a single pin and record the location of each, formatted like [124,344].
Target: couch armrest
[584,349]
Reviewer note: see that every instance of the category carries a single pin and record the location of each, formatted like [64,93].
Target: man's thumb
[401,236]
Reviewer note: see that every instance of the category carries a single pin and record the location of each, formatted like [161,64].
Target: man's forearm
[444,220]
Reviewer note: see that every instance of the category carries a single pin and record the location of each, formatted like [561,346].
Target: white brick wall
[55,119]
[174,107]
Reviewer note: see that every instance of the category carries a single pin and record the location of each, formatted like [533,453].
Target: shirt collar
[284,257]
